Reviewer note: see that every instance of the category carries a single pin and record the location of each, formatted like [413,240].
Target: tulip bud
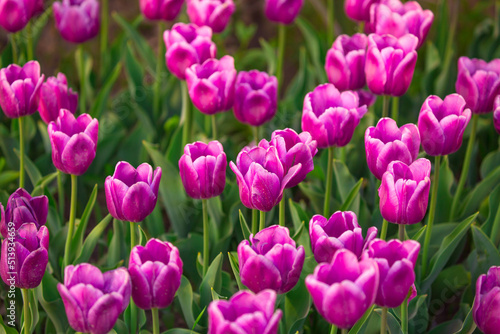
[158,290]
[30,247]
[390,63]
[212,13]
[54,96]
[283,11]
[366,97]
[20,89]
[77,20]
[261,260]
[404,192]
[131,194]
[73,141]
[496,114]
[359,10]
[486,308]
[442,124]
[256,95]
[93,300]
[203,169]
[347,282]
[386,143]
[166,10]
[341,231]
[479,83]
[15,14]
[330,116]
[244,312]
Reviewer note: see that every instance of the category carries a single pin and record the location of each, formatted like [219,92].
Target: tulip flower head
[73,141]
[15,14]
[496,114]
[20,89]
[211,13]
[331,116]
[404,192]
[165,10]
[131,194]
[93,300]
[442,124]
[486,308]
[283,11]
[359,10]
[54,96]
[77,20]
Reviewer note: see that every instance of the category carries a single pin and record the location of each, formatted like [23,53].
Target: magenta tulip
[211,13]
[77,20]
[54,96]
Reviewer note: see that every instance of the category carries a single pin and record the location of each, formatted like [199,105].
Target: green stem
[344,331]
[404,316]
[29,41]
[385,105]
[214,127]
[80,60]
[71,226]
[401,231]
[187,114]
[60,194]
[255,224]
[15,55]
[331,21]
[159,62]
[156,321]
[329,180]
[432,213]
[282,211]
[132,235]
[465,168]
[395,108]
[333,329]
[281,54]
[206,249]
[104,35]
[262,224]
[21,153]
[343,153]
[361,27]
[255,130]
[383,323]
[133,307]
[385,226]
[26,311]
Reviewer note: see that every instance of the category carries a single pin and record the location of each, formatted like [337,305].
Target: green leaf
[134,70]
[313,44]
[33,306]
[6,329]
[30,168]
[482,190]
[345,184]
[211,280]
[102,98]
[352,195]
[420,234]
[244,226]
[493,221]
[270,54]
[393,325]
[185,295]
[91,240]
[297,306]
[487,253]
[179,331]
[468,326]
[43,183]
[235,266]
[7,177]
[143,238]
[51,302]
[447,327]
[116,249]
[76,243]
[360,323]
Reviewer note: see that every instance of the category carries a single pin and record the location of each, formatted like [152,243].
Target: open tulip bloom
[15,14]
[486,308]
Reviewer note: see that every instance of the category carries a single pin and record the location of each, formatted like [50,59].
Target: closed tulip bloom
[20,89]
[212,13]
[345,62]
[211,85]
[396,264]
[271,260]
[283,11]
[165,10]
[341,231]
[256,96]
[15,14]
[93,300]
[77,20]
[386,143]
[155,271]
[479,83]
[22,208]
[30,249]
[54,96]
[390,63]
[359,10]
[203,169]
[343,289]
[261,177]
[366,97]
[486,308]
[131,194]
[442,124]
[496,114]
[244,312]
[330,116]
[404,192]
[73,141]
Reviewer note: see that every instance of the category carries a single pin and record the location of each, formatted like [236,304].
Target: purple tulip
[386,143]
[29,245]
[165,10]
[359,10]
[479,83]
[404,192]
[244,312]
[211,85]
[73,141]
[22,208]
[54,96]
[396,264]
[93,300]
[155,271]
[395,18]
[20,89]
[486,308]
[77,20]
[271,261]
[283,11]
[212,13]
[15,14]
[341,231]
[131,194]
[390,63]
[366,98]
[442,124]
[496,114]
[261,177]
[330,116]
[345,62]
[203,169]
[256,96]
[344,289]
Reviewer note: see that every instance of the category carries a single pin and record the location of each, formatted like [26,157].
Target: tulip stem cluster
[262,224]
[383,322]
[465,168]
[71,226]
[206,238]
[281,54]
[21,154]
[186,114]
[282,211]
[385,106]
[432,213]
[159,62]
[214,127]
[80,63]
[395,108]
[401,231]
[255,224]
[329,180]
[26,311]
[156,320]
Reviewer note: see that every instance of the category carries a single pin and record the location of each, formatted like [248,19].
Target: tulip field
[250,166]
